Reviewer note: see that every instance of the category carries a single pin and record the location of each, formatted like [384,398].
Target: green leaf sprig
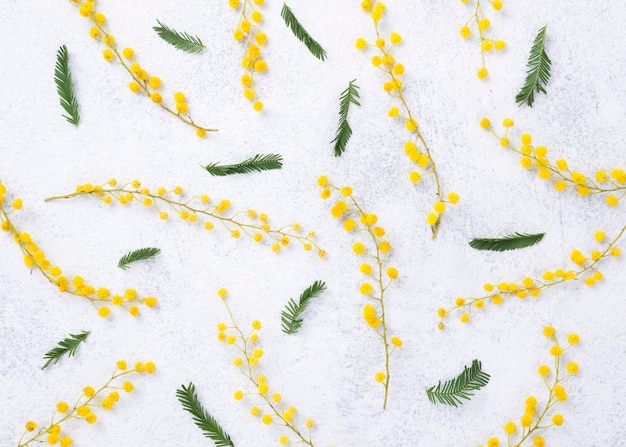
[290,317]
[189,399]
[538,72]
[67,346]
[511,242]
[257,163]
[302,34]
[138,255]
[182,41]
[344,132]
[454,390]
[63,80]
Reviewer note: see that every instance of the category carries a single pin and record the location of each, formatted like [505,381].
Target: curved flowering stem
[416,148]
[482,25]
[198,209]
[587,272]
[142,81]
[376,318]
[35,258]
[247,363]
[611,184]
[84,407]
[249,32]
[533,420]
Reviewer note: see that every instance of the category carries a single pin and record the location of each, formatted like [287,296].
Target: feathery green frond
[189,399]
[67,346]
[344,132]
[512,242]
[302,35]
[538,72]
[138,255]
[182,41]
[454,390]
[63,80]
[290,317]
[256,163]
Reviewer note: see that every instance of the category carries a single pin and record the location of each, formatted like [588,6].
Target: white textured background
[325,370]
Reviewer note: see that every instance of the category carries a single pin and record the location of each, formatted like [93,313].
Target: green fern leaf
[344,132]
[65,89]
[538,72]
[302,35]
[257,163]
[182,41]
[290,317]
[189,399]
[138,255]
[454,390]
[67,346]
[512,242]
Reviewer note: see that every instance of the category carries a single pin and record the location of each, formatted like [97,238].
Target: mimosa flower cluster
[535,419]
[85,407]
[482,25]
[249,32]
[586,271]
[199,210]
[416,147]
[610,183]
[35,258]
[249,356]
[144,83]
[374,267]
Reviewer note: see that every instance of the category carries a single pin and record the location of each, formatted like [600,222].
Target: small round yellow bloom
[62,407]
[482,73]
[549,331]
[392,272]
[396,341]
[257,105]
[156,97]
[432,219]
[465,318]
[104,311]
[543,370]
[358,248]
[267,419]
[380,377]
[465,32]
[510,428]
[573,339]
[557,419]
[572,368]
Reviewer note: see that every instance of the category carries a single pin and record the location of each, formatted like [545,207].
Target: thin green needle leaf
[257,163]
[290,317]
[67,346]
[65,89]
[344,132]
[138,255]
[538,72]
[454,390]
[302,35]
[512,242]
[189,399]
[182,41]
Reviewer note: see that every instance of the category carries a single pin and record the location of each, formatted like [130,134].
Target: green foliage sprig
[189,399]
[344,132]
[290,316]
[298,30]
[257,163]
[138,255]
[511,242]
[63,80]
[182,41]
[67,346]
[452,391]
[538,72]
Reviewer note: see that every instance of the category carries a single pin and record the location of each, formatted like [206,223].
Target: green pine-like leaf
[538,72]
[257,163]
[65,89]
[454,390]
[302,34]
[189,399]
[512,242]
[344,132]
[138,255]
[67,346]
[182,41]
[290,317]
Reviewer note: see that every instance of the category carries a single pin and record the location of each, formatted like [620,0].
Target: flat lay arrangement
[320,261]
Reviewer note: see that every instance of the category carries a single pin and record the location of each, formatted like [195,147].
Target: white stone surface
[326,370]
